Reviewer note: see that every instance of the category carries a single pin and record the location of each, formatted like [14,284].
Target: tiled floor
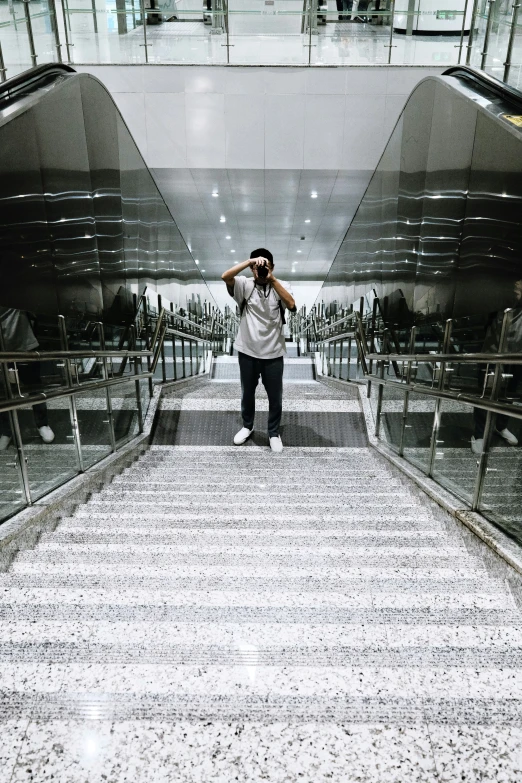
[225,614]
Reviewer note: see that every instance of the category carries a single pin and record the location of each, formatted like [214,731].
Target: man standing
[260,341]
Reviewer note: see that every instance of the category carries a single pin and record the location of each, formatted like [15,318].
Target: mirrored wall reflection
[92,261]
[84,228]
[437,238]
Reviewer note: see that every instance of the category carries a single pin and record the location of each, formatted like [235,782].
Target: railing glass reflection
[483,33]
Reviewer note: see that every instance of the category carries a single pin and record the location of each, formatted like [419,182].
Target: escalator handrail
[500,89]
[32,76]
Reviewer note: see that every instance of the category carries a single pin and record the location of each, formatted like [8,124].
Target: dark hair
[264,253]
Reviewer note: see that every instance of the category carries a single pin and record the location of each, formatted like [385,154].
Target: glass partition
[271,32]
[437,237]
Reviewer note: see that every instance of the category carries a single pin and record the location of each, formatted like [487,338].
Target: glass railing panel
[48,441]
[94,425]
[425,35]
[188,351]
[349,35]
[125,411]
[14,39]
[187,31]
[391,416]
[501,492]
[43,25]
[418,429]
[479,34]
[455,464]
[268,34]
[105,31]
[12,496]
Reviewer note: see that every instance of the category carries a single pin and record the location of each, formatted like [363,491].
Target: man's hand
[256,262]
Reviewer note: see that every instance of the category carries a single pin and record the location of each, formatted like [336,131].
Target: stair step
[153,615]
[79,597]
[407,582]
[429,570]
[263,635]
[149,535]
[315,494]
[266,521]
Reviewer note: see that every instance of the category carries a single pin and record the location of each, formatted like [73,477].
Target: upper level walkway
[226,614]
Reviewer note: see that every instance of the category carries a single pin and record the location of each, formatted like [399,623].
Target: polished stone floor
[225,614]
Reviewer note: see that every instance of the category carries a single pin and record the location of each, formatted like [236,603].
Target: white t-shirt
[261,330]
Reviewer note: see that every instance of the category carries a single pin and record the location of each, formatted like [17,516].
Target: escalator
[93,263]
[437,237]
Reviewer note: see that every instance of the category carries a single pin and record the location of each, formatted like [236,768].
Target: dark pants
[29,376]
[479,415]
[271,372]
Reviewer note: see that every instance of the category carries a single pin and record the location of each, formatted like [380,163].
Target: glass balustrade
[262,32]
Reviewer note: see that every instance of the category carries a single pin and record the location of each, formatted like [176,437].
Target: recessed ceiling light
[299,251]
[307,221]
[197,262]
[222,219]
[215,195]
[228,237]
[232,251]
[313,195]
[202,271]
[293,271]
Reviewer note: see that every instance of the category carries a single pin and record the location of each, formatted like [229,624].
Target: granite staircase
[226,614]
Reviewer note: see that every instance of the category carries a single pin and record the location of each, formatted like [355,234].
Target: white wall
[260,117]
[305,293]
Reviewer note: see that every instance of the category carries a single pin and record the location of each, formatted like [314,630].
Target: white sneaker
[276,444]
[5,440]
[242,436]
[508,436]
[476,445]
[46,434]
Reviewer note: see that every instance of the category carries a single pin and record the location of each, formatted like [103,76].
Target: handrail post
[30,31]
[489,25]
[512,35]
[62,328]
[436,414]
[413,335]
[488,428]
[105,370]
[137,381]
[380,393]
[68,44]
[471,36]
[391,45]
[54,24]
[461,43]
[3,69]
[144,23]
[148,342]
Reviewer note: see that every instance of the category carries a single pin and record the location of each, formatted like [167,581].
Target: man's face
[517,290]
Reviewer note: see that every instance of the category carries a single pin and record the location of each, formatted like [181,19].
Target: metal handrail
[500,89]
[453,358]
[442,358]
[38,356]
[348,317]
[469,399]
[53,394]
[30,77]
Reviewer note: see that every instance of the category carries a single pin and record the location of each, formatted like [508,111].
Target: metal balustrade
[483,33]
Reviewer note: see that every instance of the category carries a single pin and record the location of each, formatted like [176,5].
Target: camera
[262,271]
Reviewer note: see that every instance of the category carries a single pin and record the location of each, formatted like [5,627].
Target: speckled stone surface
[224,614]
